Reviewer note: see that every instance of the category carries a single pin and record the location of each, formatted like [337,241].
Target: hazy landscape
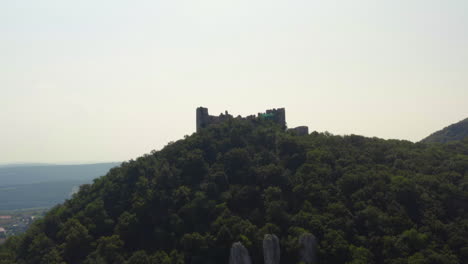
[43,186]
[240,132]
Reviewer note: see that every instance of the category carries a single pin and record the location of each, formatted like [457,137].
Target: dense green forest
[454,132]
[367,200]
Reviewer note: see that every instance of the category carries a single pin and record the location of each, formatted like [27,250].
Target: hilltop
[366,200]
[457,131]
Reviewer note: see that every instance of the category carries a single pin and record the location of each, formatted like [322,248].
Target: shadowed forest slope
[457,131]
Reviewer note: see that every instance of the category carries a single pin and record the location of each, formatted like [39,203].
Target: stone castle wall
[204,119]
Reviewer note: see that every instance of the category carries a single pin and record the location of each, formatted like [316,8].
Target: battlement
[204,119]
[277,115]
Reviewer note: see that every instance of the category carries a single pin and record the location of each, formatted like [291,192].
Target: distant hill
[27,174]
[37,195]
[41,185]
[457,131]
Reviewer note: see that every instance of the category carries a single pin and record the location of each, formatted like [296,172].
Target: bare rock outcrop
[308,253]
[239,254]
[271,249]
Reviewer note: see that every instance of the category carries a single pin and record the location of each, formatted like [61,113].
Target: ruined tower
[203,119]
[279,116]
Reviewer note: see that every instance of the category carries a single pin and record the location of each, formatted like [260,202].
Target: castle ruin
[277,115]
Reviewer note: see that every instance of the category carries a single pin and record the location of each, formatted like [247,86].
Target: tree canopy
[454,132]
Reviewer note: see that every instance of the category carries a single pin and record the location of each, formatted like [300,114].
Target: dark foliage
[367,200]
[454,132]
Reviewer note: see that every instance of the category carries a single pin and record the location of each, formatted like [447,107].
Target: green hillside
[457,131]
[367,200]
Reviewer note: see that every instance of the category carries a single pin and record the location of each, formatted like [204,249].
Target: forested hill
[366,200]
[457,131]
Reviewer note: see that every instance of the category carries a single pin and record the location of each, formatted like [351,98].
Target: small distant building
[5,217]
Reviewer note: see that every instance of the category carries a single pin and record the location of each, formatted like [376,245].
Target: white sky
[90,81]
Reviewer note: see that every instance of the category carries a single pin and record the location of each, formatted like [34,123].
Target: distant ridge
[454,132]
[37,164]
[29,185]
[9,165]
[27,174]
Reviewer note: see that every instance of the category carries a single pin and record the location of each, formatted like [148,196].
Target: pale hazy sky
[90,81]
